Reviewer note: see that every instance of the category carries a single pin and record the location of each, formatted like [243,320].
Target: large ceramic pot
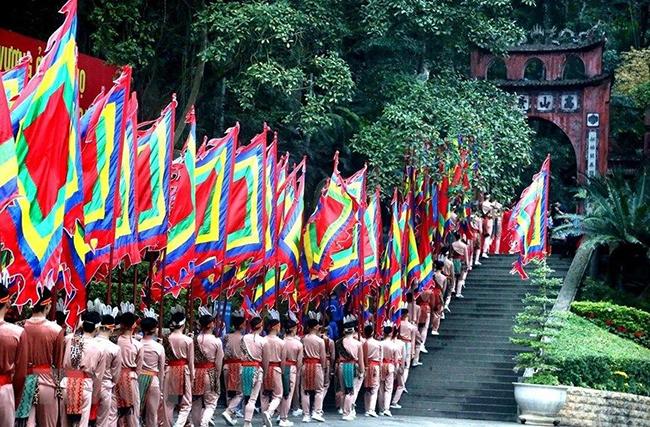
[538,403]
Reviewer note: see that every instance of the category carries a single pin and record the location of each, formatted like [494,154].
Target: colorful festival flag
[529,221]
[330,224]
[214,168]
[180,256]
[101,157]
[392,263]
[126,247]
[8,162]
[45,124]
[289,239]
[247,212]
[15,79]
[154,160]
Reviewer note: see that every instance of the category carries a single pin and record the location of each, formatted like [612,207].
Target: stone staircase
[468,370]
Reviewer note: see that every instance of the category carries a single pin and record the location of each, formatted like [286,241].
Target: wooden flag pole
[161,307]
[190,309]
[120,277]
[135,285]
[109,282]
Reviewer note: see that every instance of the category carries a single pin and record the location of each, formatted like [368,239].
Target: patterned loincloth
[349,370]
[286,381]
[144,382]
[176,375]
[29,397]
[233,378]
[124,390]
[247,379]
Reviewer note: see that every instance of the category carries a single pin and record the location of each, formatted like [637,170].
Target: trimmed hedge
[588,356]
[626,322]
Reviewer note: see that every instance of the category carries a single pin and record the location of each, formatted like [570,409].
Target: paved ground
[398,421]
[334,420]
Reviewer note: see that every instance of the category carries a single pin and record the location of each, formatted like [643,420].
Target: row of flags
[82,194]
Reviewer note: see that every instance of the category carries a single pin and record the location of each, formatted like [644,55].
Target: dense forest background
[375,79]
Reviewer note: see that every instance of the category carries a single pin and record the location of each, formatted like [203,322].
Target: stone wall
[587,407]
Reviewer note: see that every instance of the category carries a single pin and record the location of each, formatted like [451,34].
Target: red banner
[93,73]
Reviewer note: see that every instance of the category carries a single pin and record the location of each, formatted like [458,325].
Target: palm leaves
[617,213]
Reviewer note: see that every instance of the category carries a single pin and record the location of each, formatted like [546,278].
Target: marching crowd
[115,370]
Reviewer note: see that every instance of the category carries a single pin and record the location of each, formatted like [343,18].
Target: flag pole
[120,278]
[135,284]
[161,307]
[109,282]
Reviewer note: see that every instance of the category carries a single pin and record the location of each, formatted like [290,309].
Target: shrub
[626,322]
[588,356]
[595,290]
[533,324]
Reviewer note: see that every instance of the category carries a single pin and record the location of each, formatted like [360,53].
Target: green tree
[427,119]
[618,217]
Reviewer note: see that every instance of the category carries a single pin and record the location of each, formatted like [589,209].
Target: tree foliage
[428,118]
[633,76]
[339,74]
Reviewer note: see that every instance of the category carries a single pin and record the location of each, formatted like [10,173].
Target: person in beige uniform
[45,346]
[487,209]
[83,370]
[440,281]
[388,367]
[208,360]
[350,366]
[152,373]
[460,256]
[414,316]
[373,357]
[252,373]
[406,334]
[126,389]
[291,365]
[476,227]
[13,362]
[314,358]
[233,355]
[179,374]
[107,409]
[272,365]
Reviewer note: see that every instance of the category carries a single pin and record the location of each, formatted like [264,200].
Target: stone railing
[586,407]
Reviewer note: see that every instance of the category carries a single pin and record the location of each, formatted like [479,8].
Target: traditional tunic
[208,360]
[126,388]
[13,364]
[328,369]
[232,364]
[351,367]
[407,333]
[45,346]
[440,281]
[400,364]
[291,365]
[107,409]
[272,364]
[387,379]
[450,284]
[179,375]
[373,357]
[426,304]
[312,380]
[252,374]
[461,261]
[83,370]
[150,378]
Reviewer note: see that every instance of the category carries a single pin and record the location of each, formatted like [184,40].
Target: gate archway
[560,80]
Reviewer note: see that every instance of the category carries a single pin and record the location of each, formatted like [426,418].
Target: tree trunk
[194,91]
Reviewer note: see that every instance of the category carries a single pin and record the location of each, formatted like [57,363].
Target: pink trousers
[285,405]
[7,405]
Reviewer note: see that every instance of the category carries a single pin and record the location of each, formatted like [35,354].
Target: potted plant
[538,394]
